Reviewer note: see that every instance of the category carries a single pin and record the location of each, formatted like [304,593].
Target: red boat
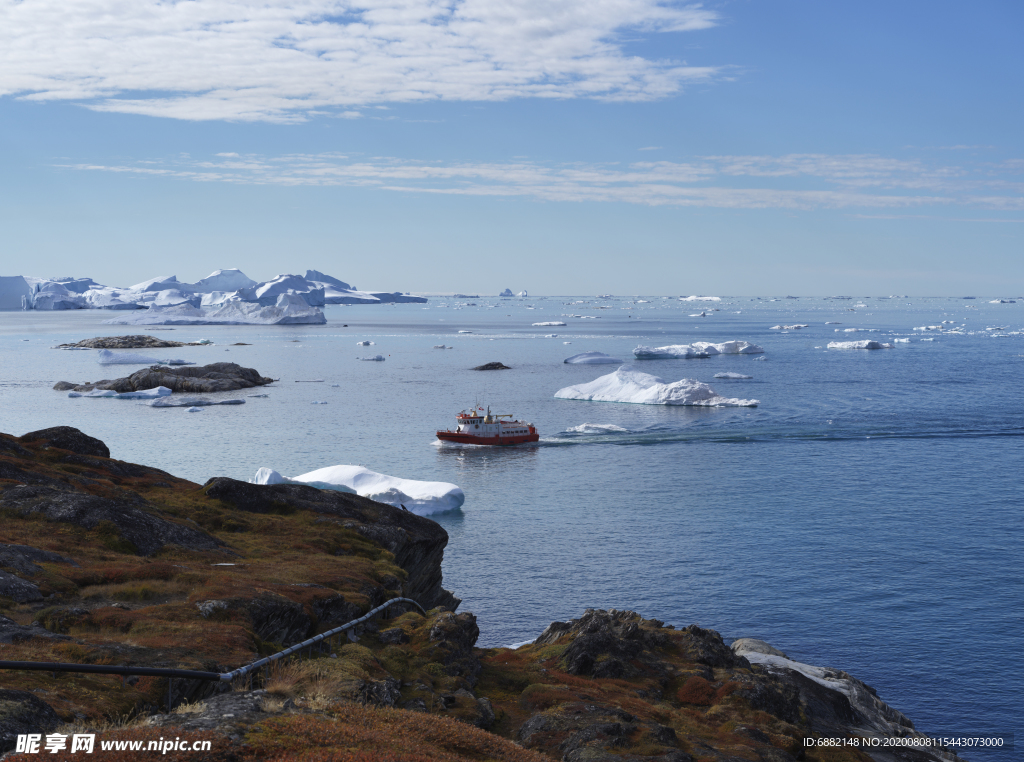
[480,428]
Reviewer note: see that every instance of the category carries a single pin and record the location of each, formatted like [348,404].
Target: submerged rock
[492,366]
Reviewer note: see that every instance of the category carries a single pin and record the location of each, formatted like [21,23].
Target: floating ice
[832,322]
[551,322]
[700,298]
[465,332]
[696,349]
[597,428]
[627,384]
[507,292]
[731,374]
[858,345]
[592,358]
[143,394]
[422,498]
[318,402]
[290,309]
[194,402]
[699,314]
[106,357]
[901,341]
[793,327]
[364,343]
[375,358]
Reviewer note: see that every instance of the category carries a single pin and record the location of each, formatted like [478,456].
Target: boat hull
[493,441]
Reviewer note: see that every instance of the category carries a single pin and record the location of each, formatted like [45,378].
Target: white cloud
[733,182]
[279,60]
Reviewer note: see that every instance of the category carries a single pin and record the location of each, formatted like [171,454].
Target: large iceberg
[858,345]
[15,293]
[266,294]
[51,296]
[627,384]
[506,293]
[697,349]
[592,358]
[422,498]
[289,309]
[222,280]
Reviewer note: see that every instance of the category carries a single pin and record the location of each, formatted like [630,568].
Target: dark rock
[492,366]
[486,717]
[9,446]
[12,632]
[124,342]
[68,438]
[395,636]
[276,619]
[216,377]
[335,610]
[416,542]
[17,589]
[454,636]
[22,713]
[608,644]
[384,692]
[22,558]
[416,705]
[146,532]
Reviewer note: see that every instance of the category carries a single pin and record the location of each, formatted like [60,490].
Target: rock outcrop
[492,366]
[70,439]
[216,377]
[126,342]
[22,712]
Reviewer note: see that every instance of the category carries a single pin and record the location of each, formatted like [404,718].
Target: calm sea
[866,516]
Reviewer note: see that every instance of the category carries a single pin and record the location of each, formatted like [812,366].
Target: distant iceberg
[793,327]
[422,498]
[289,309]
[700,298]
[858,345]
[731,374]
[627,384]
[592,358]
[375,358]
[697,349]
[522,294]
[551,322]
[106,357]
[506,293]
[364,343]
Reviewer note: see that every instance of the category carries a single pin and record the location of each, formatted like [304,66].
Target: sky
[563,147]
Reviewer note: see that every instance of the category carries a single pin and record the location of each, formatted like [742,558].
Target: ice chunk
[420,497]
[143,394]
[375,358]
[697,349]
[627,384]
[465,332]
[366,344]
[699,314]
[194,410]
[506,292]
[901,341]
[522,294]
[289,310]
[731,374]
[700,298]
[592,358]
[106,357]
[858,345]
[551,322]
[597,428]
[832,322]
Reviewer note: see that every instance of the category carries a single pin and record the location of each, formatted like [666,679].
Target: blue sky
[623,146]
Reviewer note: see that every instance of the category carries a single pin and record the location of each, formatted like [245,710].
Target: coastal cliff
[108,562]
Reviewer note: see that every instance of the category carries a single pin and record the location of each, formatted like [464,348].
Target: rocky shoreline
[103,561]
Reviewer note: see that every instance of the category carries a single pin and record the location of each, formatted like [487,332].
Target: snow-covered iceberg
[627,384]
[53,296]
[106,357]
[551,322]
[422,498]
[142,394]
[289,309]
[592,358]
[858,345]
[506,293]
[697,349]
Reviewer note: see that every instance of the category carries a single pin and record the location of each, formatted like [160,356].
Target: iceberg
[422,498]
[506,293]
[159,283]
[375,358]
[592,358]
[901,341]
[364,343]
[52,296]
[267,293]
[700,298]
[858,345]
[106,298]
[731,374]
[106,357]
[228,280]
[143,394]
[597,428]
[522,294]
[697,349]
[551,322]
[322,278]
[627,384]
[290,309]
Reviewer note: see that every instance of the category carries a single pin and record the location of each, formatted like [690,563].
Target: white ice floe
[290,309]
[696,349]
[832,322]
[143,394]
[731,374]
[866,344]
[194,410]
[901,341]
[422,498]
[793,327]
[700,298]
[107,357]
[762,357]
[597,428]
[375,358]
[465,332]
[592,358]
[364,343]
[551,322]
[627,384]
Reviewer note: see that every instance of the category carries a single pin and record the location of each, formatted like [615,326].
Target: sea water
[865,516]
